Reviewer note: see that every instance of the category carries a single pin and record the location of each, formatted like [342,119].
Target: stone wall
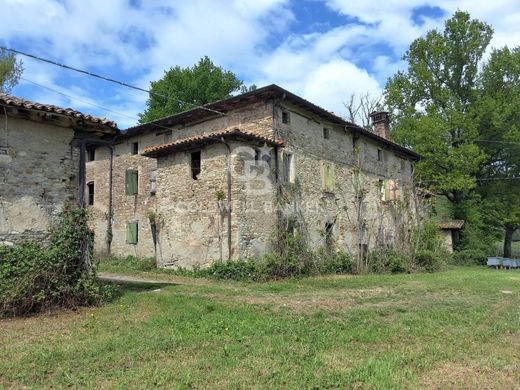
[355,199]
[193,226]
[254,118]
[194,222]
[38,175]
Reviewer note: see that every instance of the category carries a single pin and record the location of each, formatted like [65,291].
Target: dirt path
[117,278]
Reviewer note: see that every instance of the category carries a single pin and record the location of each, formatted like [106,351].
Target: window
[328,176]
[326,133]
[329,227]
[257,155]
[402,165]
[195,165]
[132,233]
[135,147]
[131,182]
[287,168]
[90,188]
[381,186]
[153,182]
[91,154]
[354,141]
[379,155]
[286,117]
[412,167]
[390,190]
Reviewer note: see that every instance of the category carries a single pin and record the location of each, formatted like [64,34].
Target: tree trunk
[508,241]
[458,198]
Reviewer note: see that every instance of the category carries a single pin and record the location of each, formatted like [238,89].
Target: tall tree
[433,102]
[499,115]
[360,107]
[10,70]
[182,88]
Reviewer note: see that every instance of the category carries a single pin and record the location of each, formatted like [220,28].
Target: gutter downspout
[228,169]
[82,179]
[110,202]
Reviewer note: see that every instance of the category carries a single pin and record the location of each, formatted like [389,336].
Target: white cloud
[138,43]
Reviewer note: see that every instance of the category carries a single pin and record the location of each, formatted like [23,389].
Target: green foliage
[434,105]
[10,70]
[469,257]
[130,262]
[35,277]
[183,88]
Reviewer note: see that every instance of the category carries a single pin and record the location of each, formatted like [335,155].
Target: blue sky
[322,50]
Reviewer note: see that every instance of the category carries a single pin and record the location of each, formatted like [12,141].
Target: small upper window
[286,118]
[354,142]
[195,165]
[379,154]
[135,147]
[326,133]
[90,188]
[91,154]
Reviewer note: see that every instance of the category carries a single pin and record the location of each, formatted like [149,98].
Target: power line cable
[109,79]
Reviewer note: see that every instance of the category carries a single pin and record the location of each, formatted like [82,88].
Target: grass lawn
[459,328]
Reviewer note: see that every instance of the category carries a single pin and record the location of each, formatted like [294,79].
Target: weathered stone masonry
[39,164]
[341,180]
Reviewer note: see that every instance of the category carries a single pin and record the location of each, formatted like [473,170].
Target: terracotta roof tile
[164,148]
[12,101]
[454,224]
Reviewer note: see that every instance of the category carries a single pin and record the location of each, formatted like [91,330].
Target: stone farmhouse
[42,163]
[218,181]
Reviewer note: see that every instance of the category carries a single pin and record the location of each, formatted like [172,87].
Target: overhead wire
[150,92]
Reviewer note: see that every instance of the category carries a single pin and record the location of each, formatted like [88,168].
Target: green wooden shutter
[131,182]
[131,233]
[328,177]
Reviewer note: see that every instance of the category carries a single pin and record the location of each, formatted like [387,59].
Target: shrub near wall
[36,277]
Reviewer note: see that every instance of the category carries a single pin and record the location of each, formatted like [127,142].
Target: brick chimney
[381,123]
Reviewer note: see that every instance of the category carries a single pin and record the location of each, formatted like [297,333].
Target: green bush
[429,260]
[131,262]
[34,277]
[469,257]
[241,270]
[334,263]
[389,260]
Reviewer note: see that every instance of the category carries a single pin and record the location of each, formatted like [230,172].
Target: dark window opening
[285,117]
[135,147]
[90,187]
[195,165]
[91,154]
[329,226]
[412,168]
[379,155]
[354,142]
[326,133]
[257,155]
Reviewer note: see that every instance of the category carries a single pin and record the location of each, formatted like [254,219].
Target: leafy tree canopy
[183,88]
[433,102]
[10,70]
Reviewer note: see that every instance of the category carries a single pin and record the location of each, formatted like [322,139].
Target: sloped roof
[272,91]
[213,137]
[12,101]
[454,224]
